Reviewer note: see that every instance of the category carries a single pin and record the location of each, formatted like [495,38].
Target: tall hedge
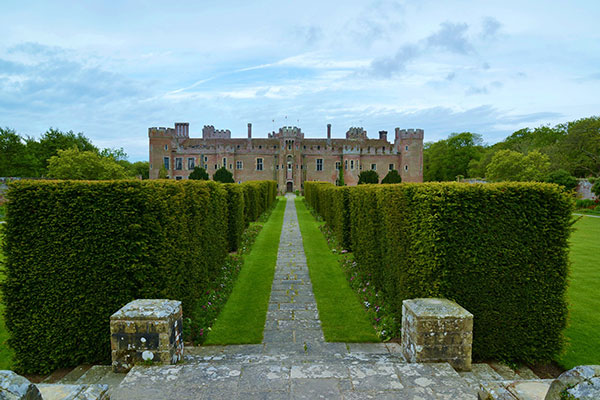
[235,214]
[78,251]
[499,250]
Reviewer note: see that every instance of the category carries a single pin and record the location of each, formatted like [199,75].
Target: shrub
[369,176]
[499,250]
[563,178]
[199,174]
[585,203]
[392,177]
[223,175]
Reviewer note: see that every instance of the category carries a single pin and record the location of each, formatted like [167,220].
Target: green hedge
[235,214]
[499,250]
[78,251]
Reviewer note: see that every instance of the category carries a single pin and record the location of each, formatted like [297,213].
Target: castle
[286,156]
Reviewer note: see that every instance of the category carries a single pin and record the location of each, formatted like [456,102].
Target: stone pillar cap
[436,308]
[148,309]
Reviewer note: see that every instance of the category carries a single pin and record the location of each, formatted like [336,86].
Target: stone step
[75,374]
[534,389]
[101,374]
[361,376]
[53,391]
[480,373]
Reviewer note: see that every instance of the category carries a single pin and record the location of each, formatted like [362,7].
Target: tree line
[558,154]
[63,155]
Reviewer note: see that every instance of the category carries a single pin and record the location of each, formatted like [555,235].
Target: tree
[16,158]
[563,178]
[54,140]
[508,165]
[162,173]
[76,164]
[223,175]
[369,176]
[140,168]
[392,177]
[340,180]
[447,158]
[199,173]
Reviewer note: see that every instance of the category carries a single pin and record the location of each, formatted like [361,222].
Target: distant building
[286,156]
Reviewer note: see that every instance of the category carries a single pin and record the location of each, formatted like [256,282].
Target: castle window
[304,147]
[337,165]
[230,166]
[177,178]
[346,164]
[260,147]
[206,167]
[289,145]
[259,164]
[166,147]
[319,164]
[150,165]
[318,147]
[216,166]
[406,148]
[205,159]
[351,164]
[406,167]
[374,167]
[224,162]
[239,165]
[178,163]
[391,167]
[191,163]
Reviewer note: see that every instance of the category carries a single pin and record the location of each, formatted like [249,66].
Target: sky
[112,69]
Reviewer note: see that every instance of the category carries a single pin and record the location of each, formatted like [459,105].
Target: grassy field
[584,295]
[243,317]
[342,316]
[5,352]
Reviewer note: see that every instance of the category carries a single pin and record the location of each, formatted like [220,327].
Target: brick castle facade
[286,156]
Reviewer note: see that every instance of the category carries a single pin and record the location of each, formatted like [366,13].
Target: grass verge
[342,316]
[243,318]
[6,353]
[584,296]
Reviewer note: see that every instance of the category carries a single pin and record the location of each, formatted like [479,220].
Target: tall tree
[446,159]
[199,173]
[76,164]
[509,165]
[15,157]
[392,177]
[223,175]
[369,176]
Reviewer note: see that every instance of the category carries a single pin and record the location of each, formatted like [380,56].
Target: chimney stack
[329,131]
[249,130]
[383,135]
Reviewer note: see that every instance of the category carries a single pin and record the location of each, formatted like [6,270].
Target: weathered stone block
[16,387]
[146,330]
[437,330]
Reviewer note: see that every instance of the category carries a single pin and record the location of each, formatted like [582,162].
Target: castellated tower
[163,143]
[409,144]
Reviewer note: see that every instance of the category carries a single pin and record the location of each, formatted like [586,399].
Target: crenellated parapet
[209,132]
[409,133]
[356,133]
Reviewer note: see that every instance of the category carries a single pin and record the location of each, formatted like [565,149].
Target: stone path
[294,361]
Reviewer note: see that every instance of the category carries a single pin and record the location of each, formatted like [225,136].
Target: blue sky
[111,69]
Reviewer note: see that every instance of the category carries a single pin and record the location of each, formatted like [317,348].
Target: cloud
[451,37]
[310,35]
[375,22]
[385,67]
[490,27]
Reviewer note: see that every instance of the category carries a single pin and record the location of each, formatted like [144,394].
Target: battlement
[181,130]
[356,133]
[409,133]
[287,131]
[209,132]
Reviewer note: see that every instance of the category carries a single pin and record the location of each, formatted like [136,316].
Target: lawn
[242,320]
[584,295]
[5,352]
[342,315]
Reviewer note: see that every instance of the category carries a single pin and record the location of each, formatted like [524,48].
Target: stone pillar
[249,130]
[146,330]
[328,131]
[437,330]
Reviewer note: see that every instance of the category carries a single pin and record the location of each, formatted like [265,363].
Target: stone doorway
[290,187]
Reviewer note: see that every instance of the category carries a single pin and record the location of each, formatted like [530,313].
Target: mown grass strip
[6,353]
[582,333]
[243,318]
[342,316]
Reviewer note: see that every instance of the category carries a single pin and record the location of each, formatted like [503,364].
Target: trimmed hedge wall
[499,250]
[78,251]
